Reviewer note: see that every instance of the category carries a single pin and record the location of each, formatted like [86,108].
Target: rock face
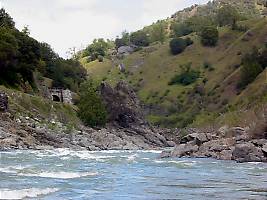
[122,105]
[225,144]
[125,50]
[3,102]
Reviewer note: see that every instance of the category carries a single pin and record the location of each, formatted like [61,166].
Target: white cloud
[68,23]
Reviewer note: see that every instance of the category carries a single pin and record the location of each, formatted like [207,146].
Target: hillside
[213,99]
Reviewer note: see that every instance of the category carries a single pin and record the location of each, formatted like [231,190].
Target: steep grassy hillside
[47,112]
[213,98]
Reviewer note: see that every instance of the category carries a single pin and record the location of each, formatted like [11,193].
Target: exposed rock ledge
[230,144]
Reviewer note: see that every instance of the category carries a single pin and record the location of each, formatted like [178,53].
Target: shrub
[187,77]
[249,73]
[91,109]
[177,45]
[253,65]
[139,38]
[181,29]
[209,36]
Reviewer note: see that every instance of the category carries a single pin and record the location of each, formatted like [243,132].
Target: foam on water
[61,175]
[25,193]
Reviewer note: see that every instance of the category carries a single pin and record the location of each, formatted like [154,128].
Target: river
[64,174]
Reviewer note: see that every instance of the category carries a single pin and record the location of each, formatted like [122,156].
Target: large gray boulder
[247,152]
[125,50]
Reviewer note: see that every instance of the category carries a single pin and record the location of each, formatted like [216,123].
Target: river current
[63,174]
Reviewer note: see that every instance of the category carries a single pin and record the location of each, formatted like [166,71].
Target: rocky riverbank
[29,133]
[126,128]
[224,144]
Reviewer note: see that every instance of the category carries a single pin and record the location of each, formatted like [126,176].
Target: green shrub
[177,45]
[249,73]
[187,77]
[209,36]
[252,65]
[181,29]
[91,110]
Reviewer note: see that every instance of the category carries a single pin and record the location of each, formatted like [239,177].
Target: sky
[75,23]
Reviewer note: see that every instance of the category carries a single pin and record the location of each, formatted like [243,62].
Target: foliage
[91,110]
[99,47]
[181,29]
[21,56]
[197,23]
[227,15]
[253,65]
[123,41]
[159,32]
[187,77]
[65,73]
[177,45]
[140,38]
[5,19]
[209,36]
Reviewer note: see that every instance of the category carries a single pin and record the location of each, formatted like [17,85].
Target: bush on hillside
[177,45]
[91,109]
[181,29]
[187,77]
[227,15]
[140,38]
[249,72]
[209,36]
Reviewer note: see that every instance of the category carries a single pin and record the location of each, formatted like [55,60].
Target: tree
[227,15]
[209,36]
[140,38]
[177,45]
[26,30]
[99,47]
[5,19]
[197,23]
[91,110]
[159,32]
[123,41]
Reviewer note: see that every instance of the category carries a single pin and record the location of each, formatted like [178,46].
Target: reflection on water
[65,174]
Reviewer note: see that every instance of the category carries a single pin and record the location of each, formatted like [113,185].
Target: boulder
[247,152]
[197,138]
[165,154]
[125,50]
[184,150]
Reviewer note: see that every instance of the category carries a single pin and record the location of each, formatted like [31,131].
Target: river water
[64,174]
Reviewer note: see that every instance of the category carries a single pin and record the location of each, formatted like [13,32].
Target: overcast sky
[68,23]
